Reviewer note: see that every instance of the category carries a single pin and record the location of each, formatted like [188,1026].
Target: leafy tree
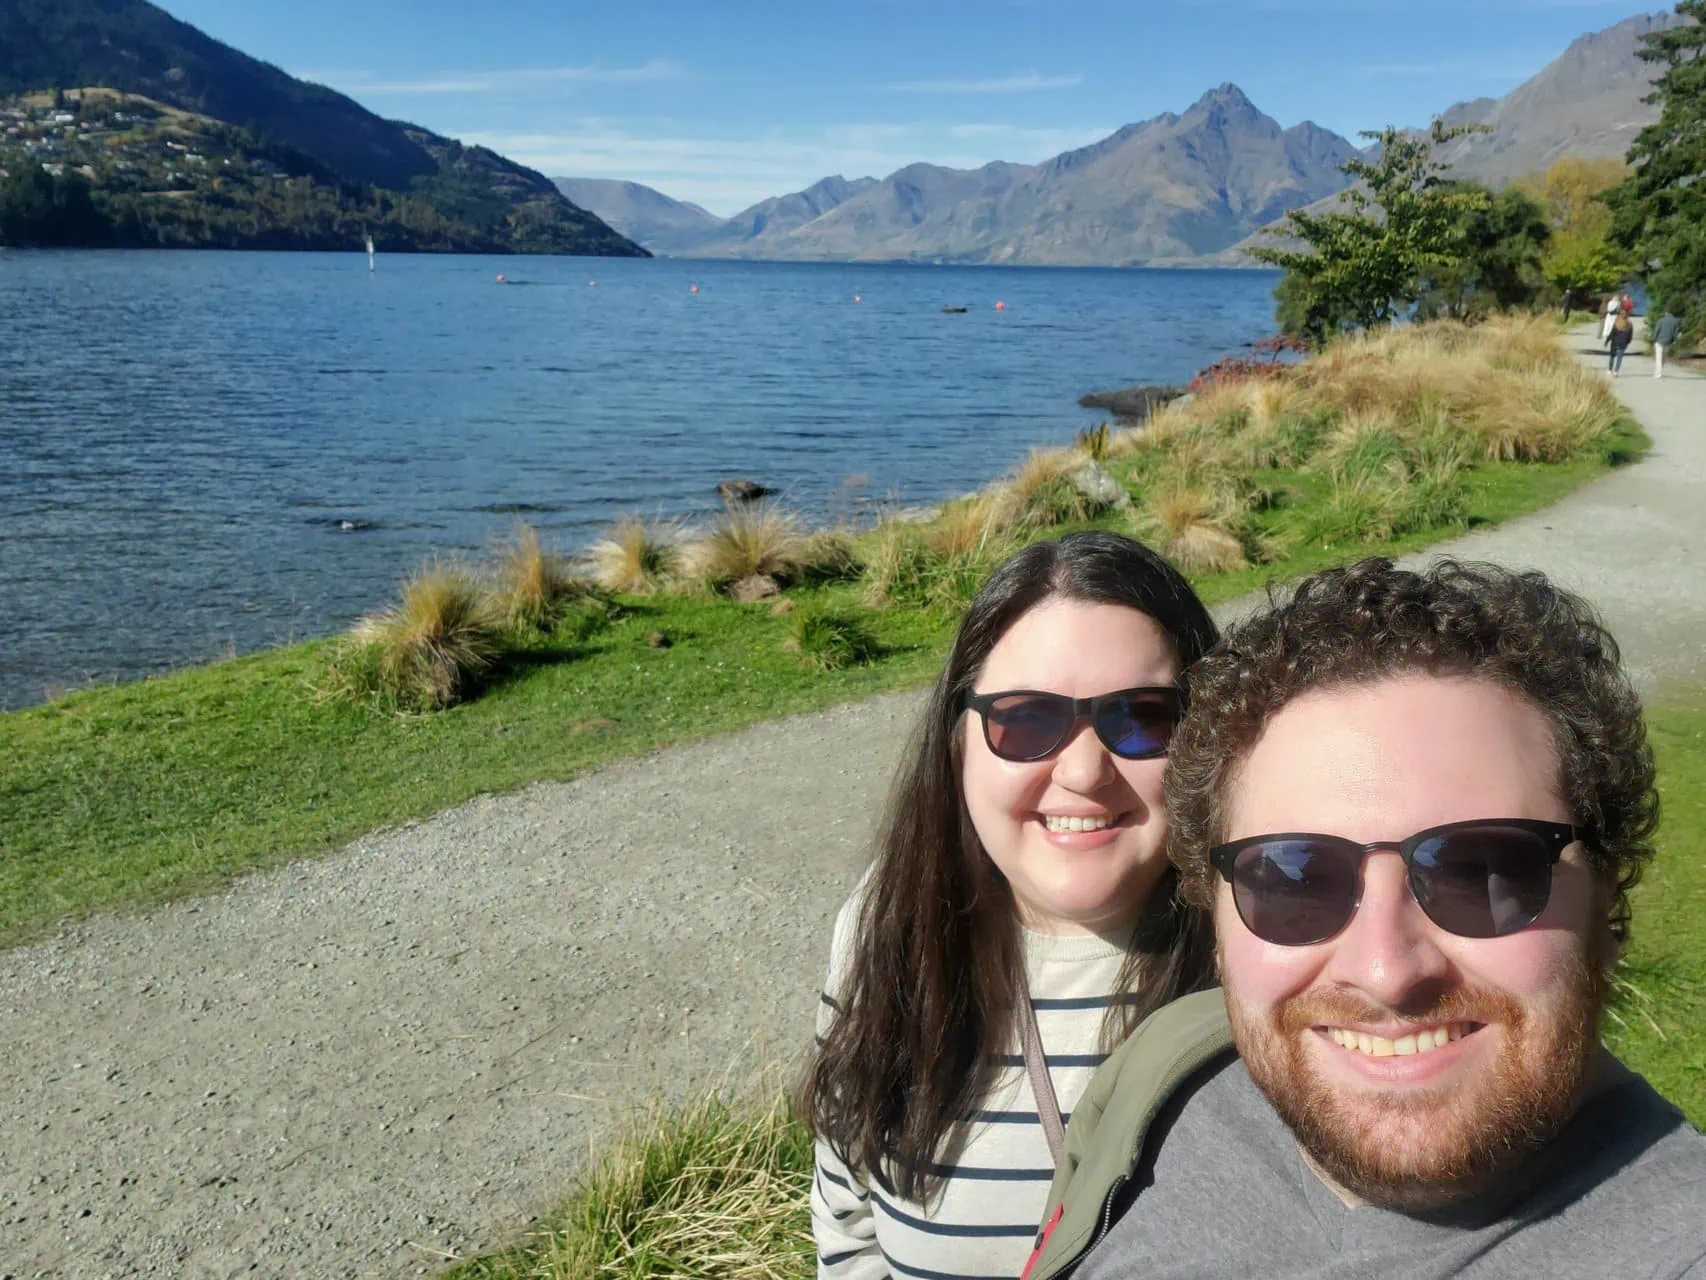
[1498,262]
[1589,265]
[1366,264]
[37,208]
[1660,210]
[1573,191]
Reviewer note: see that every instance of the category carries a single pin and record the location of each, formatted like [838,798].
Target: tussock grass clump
[828,555]
[712,1190]
[429,651]
[1038,494]
[902,568]
[747,541]
[1195,525]
[968,526]
[536,588]
[636,557]
[1392,420]
[1524,342]
[829,641]
[1093,442]
[1374,500]
[1547,415]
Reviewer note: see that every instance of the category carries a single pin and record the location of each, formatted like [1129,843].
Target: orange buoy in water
[1001,306]
[500,278]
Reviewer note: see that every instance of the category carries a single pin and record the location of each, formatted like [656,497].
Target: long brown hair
[937,952]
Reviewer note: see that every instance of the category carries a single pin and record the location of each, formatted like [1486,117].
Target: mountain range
[475,198]
[1193,188]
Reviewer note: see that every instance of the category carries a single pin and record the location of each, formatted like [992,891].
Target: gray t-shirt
[1620,1192]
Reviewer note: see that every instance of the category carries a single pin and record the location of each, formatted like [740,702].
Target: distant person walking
[1622,333]
[1664,334]
[1569,304]
[1628,305]
[1613,308]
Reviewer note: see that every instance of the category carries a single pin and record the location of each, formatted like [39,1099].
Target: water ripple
[183,434]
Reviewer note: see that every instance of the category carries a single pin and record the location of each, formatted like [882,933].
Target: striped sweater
[984,1218]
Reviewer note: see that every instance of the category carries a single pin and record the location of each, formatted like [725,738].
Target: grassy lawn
[1658,1025]
[129,796]
[719,1190]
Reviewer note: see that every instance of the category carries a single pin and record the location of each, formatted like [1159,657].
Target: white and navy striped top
[983,1221]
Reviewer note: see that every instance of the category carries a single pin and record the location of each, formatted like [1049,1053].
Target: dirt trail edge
[362,1065]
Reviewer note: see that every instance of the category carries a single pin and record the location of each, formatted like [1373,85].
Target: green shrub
[828,555]
[830,641]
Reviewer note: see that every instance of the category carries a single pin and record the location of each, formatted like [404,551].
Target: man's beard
[1420,1148]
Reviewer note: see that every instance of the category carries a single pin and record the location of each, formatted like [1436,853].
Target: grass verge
[680,1176]
[132,795]
[1657,1022]
[713,1190]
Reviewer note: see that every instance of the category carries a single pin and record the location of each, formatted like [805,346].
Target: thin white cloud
[507,80]
[1026,82]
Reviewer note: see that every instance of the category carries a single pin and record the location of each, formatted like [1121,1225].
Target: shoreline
[378,411]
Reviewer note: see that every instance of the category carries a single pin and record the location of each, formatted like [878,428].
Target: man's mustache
[1430,1005]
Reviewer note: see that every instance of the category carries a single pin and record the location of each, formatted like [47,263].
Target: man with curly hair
[1415,805]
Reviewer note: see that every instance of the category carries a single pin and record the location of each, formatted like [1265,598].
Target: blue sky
[725,102]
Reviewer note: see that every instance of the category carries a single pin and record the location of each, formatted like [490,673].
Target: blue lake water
[182,433]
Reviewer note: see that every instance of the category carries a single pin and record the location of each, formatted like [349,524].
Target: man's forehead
[1377,760]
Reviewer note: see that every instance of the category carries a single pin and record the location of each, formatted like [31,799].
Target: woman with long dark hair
[1018,919]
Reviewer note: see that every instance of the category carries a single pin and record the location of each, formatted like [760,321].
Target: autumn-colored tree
[1572,192]
[1579,259]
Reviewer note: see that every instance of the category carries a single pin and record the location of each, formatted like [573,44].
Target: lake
[184,434]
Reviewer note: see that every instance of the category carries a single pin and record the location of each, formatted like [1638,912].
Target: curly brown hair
[1369,620]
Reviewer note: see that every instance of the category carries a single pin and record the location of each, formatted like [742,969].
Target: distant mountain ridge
[646,216]
[1192,188]
[1167,189]
[135,47]
[1585,102]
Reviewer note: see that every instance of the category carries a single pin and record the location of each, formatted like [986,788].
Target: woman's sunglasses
[1479,879]
[1026,724]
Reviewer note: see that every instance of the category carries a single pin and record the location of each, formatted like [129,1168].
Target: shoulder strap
[1036,1066]
[1110,1123]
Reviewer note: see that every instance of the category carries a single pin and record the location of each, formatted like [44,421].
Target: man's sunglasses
[1479,879]
[1027,724]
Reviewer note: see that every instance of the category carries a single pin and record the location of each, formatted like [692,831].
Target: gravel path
[360,1065]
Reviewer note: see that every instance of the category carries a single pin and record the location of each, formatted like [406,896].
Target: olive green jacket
[1105,1141]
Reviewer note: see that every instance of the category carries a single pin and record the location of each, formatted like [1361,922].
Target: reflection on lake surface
[185,434]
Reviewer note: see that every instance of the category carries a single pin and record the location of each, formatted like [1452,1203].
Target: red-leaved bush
[1264,361]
